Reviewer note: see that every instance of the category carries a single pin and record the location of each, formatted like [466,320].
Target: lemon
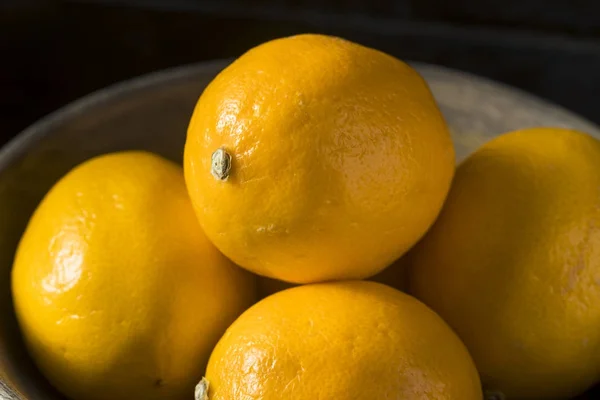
[118,293]
[513,262]
[313,158]
[351,340]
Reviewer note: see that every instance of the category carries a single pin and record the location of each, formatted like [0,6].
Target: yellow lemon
[513,262]
[352,340]
[313,158]
[118,293]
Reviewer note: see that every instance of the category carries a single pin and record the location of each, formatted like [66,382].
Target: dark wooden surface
[54,52]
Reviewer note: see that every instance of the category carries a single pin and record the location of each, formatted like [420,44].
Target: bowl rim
[17,146]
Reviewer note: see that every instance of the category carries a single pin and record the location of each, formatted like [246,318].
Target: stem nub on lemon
[313,158]
[513,262]
[118,293]
[344,341]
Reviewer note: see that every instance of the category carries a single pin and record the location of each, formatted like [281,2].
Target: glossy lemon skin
[513,262]
[351,340]
[341,159]
[117,291]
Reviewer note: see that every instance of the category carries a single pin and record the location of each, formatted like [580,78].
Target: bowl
[151,113]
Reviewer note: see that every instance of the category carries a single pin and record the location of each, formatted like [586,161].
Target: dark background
[52,52]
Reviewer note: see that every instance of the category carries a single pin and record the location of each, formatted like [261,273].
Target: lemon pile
[319,243]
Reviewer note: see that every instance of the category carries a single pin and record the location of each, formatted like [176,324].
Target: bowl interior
[151,113]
